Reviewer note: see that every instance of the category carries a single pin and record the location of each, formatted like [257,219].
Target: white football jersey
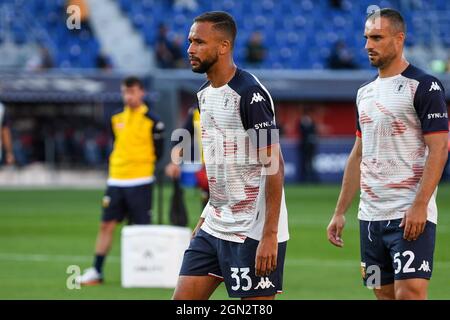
[236,207]
[394,114]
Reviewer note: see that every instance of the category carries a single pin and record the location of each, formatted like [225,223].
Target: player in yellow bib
[138,144]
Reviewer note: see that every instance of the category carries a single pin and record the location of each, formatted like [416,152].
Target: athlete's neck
[134,107]
[220,75]
[394,68]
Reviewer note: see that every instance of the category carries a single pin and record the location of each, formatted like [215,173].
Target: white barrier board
[151,256]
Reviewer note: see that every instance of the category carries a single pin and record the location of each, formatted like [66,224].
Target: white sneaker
[90,277]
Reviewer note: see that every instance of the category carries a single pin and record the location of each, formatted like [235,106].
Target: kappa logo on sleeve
[257,97]
[434,86]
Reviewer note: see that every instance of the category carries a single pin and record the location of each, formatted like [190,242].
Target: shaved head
[396,21]
[221,22]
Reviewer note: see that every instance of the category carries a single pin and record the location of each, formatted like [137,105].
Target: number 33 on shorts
[238,274]
[244,282]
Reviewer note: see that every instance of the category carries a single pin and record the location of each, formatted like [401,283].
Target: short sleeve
[430,105]
[258,117]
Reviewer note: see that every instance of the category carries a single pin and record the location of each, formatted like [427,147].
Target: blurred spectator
[341,57]
[41,60]
[255,50]
[5,137]
[448,65]
[22,140]
[103,61]
[178,52]
[77,141]
[308,147]
[173,169]
[91,150]
[163,48]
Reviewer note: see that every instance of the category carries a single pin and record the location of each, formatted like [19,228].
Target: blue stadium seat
[126,5]
[291,28]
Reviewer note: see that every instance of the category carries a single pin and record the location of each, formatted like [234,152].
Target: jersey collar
[141,109]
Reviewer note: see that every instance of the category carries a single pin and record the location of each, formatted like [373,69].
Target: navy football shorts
[384,252]
[233,263]
[133,203]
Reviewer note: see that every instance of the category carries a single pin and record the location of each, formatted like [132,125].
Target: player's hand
[197,227]
[266,255]
[414,221]
[173,170]
[334,230]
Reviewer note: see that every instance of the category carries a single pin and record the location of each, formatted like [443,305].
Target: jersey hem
[234,238]
[112,182]
[435,132]
[363,218]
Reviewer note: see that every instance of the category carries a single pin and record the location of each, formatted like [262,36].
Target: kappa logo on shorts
[265,283]
[425,266]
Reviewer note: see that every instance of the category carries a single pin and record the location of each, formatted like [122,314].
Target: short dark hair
[393,15]
[133,81]
[221,21]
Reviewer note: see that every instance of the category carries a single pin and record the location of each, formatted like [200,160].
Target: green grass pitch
[42,232]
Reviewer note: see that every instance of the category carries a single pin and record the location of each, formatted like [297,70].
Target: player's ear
[400,39]
[225,46]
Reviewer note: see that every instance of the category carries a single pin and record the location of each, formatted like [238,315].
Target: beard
[377,63]
[382,61]
[205,65]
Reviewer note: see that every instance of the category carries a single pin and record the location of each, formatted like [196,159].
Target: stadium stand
[26,23]
[303,31]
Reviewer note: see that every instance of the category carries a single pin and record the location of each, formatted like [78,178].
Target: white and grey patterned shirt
[236,207]
[394,114]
